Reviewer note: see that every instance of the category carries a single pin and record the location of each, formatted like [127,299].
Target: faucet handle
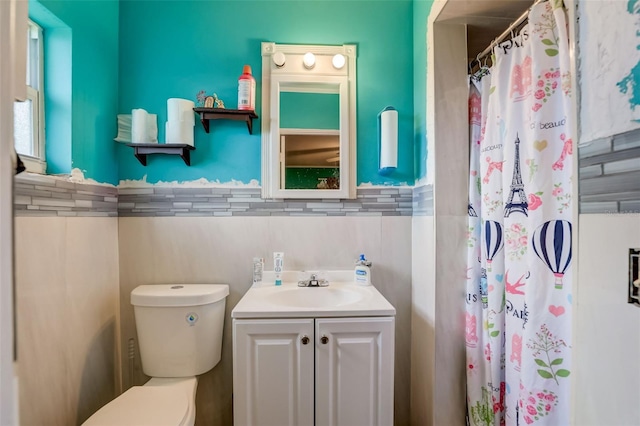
[315,280]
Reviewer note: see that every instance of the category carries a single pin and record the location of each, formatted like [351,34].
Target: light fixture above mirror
[308,121]
[279,59]
[309,60]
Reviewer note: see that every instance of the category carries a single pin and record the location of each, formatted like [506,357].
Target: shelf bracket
[141,150]
[207,114]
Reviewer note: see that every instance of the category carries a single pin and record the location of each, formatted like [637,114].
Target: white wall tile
[607,340]
[423,318]
[67,295]
[220,250]
[92,305]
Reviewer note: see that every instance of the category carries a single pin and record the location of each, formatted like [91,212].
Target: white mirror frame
[322,78]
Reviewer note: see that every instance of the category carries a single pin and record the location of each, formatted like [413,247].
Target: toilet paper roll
[180,110]
[388,139]
[139,125]
[144,126]
[172,132]
[179,132]
[152,128]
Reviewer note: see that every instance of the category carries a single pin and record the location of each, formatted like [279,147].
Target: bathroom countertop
[341,298]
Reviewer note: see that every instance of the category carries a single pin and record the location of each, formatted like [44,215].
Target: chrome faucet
[313,281]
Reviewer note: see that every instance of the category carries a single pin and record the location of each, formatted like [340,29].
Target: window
[29,115]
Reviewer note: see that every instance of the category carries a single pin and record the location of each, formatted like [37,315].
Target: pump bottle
[362,273]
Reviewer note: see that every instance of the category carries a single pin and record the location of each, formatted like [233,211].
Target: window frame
[36,163]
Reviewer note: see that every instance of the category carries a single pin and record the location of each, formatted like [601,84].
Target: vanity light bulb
[279,59]
[309,60]
[338,61]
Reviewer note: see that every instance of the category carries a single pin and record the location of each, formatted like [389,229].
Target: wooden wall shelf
[141,150]
[207,114]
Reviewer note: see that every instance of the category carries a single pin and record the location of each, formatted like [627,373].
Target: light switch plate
[634,276]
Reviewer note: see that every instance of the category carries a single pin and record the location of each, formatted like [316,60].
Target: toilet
[180,336]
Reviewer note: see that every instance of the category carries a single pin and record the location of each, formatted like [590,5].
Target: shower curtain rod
[506,32]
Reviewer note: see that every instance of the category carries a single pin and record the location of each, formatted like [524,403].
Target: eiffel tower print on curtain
[517,201]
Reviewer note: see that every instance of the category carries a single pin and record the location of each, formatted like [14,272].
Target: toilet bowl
[180,336]
[160,402]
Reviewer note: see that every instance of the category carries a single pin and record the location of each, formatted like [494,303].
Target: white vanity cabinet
[273,372]
[313,371]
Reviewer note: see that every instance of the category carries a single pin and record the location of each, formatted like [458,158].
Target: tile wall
[610,174]
[180,202]
[609,225]
[160,235]
[219,250]
[67,303]
[38,195]
[606,325]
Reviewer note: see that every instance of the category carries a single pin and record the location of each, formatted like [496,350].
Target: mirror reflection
[312,161]
[310,139]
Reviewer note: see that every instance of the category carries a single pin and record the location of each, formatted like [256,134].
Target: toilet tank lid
[178,294]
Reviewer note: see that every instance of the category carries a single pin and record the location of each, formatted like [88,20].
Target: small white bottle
[278,266]
[362,273]
[258,268]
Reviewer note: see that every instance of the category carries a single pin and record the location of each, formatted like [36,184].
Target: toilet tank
[179,327]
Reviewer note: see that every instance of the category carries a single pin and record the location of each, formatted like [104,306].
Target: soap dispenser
[362,273]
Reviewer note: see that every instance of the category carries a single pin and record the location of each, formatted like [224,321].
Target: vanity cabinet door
[354,371]
[273,372]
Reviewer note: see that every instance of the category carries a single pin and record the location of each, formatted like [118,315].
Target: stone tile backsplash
[38,195]
[41,195]
[163,201]
[423,200]
[609,173]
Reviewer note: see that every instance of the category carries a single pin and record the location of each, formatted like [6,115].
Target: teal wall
[81,85]
[137,54]
[176,48]
[421,9]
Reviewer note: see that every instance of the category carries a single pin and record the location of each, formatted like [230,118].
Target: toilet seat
[145,406]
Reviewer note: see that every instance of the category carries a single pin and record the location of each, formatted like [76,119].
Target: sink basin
[314,297]
[342,298]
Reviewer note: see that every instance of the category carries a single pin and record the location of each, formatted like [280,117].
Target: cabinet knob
[305,340]
[324,340]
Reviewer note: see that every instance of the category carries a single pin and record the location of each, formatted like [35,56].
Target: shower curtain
[518,316]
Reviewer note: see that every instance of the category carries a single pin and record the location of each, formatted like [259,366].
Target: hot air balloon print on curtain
[551,241]
[493,240]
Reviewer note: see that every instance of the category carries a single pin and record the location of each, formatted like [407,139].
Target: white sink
[342,297]
[314,297]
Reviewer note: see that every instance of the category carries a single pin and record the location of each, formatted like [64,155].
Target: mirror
[310,139]
[308,122]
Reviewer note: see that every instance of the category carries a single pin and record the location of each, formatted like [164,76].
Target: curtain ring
[487,57]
